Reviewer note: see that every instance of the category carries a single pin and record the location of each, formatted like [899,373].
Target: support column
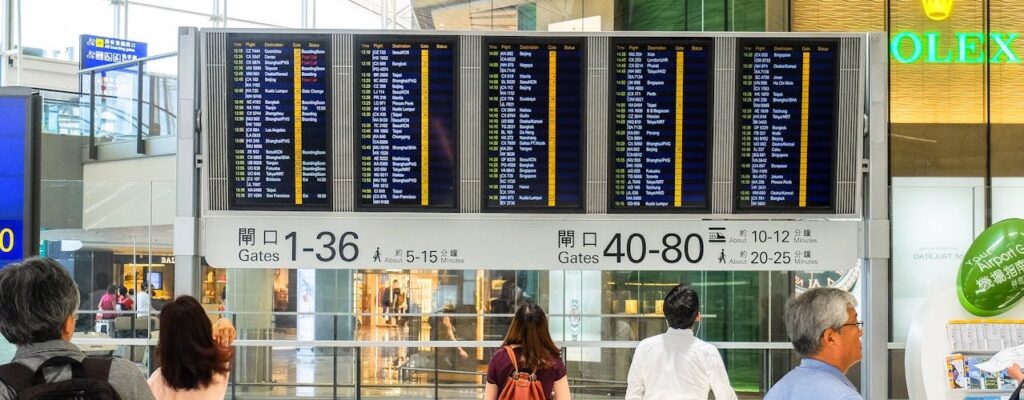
[188,265]
[875,276]
[250,303]
[334,293]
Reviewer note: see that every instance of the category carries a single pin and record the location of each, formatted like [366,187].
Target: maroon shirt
[500,369]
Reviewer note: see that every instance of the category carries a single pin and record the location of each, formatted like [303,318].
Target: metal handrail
[122,64]
[139,103]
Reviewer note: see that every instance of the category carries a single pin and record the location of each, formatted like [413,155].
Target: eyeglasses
[858,324]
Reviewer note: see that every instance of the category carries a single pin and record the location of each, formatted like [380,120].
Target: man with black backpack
[38,301]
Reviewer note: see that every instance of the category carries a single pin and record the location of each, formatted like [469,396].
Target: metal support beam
[188,266]
[875,278]
[140,145]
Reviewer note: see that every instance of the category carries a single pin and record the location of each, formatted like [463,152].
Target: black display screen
[534,121]
[407,145]
[278,124]
[787,125]
[661,124]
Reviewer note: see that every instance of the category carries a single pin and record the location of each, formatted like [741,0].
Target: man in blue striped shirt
[822,324]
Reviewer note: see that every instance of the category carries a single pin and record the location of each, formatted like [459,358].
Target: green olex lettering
[933,49]
[1002,42]
[917,47]
[968,42]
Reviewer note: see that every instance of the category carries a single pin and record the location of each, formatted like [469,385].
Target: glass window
[195,6]
[344,14]
[47,33]
[282,13]
[158,27]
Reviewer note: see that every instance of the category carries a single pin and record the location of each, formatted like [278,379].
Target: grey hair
[36,298]
[811,313]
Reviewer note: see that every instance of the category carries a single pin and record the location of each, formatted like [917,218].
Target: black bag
[1016,393]
[88,380]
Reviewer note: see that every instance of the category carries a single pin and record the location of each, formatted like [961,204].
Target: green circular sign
[991,276]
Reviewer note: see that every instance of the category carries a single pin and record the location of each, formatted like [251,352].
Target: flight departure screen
[787,125]
[661,124]
[534,123]
[14,224]
[279,130]
[407,137]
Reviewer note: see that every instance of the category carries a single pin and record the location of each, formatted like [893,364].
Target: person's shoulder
[800,380]
[557,369]
[500,356]
[121,365]
[651,341]
[156,376]
[557,362]
[705,347]
[128,380]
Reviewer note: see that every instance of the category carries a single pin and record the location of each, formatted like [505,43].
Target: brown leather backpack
[521,385]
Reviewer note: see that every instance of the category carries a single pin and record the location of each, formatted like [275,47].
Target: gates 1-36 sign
[472,242]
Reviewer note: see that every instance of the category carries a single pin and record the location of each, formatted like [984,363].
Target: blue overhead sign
[17,221]
[99,50]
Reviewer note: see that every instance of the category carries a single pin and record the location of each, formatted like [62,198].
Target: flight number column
[755,132]
[631,66]
[377,130]
[248,67]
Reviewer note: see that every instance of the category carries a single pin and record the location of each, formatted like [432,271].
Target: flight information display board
[279,128]
[787,125]
[534,120]
[407,144]
[661,113]
[18,223]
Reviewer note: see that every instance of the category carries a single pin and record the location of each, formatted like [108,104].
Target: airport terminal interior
[368,189]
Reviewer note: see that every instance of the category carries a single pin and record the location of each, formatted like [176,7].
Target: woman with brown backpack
[529,366]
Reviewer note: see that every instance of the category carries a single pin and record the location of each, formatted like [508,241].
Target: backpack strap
[512,356]
[97,368]
[16,376]
[19,377]
[39,377]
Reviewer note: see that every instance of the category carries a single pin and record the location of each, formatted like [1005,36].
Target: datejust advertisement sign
[99,50]
[991,277]
[540,242]
[16,178]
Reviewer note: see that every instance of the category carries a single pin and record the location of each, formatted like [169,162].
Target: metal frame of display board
[198,209]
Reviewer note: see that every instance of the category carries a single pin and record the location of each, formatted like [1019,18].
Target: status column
[552,111]
[679,131]
[297,118]
[425,127]
[804,110]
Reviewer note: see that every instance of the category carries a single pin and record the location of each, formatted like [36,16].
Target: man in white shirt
[676,365]
[143,300]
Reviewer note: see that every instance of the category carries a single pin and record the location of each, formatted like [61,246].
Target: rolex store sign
[991,276]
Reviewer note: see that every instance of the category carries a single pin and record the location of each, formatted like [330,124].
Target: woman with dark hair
[529,340]
[194,354]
